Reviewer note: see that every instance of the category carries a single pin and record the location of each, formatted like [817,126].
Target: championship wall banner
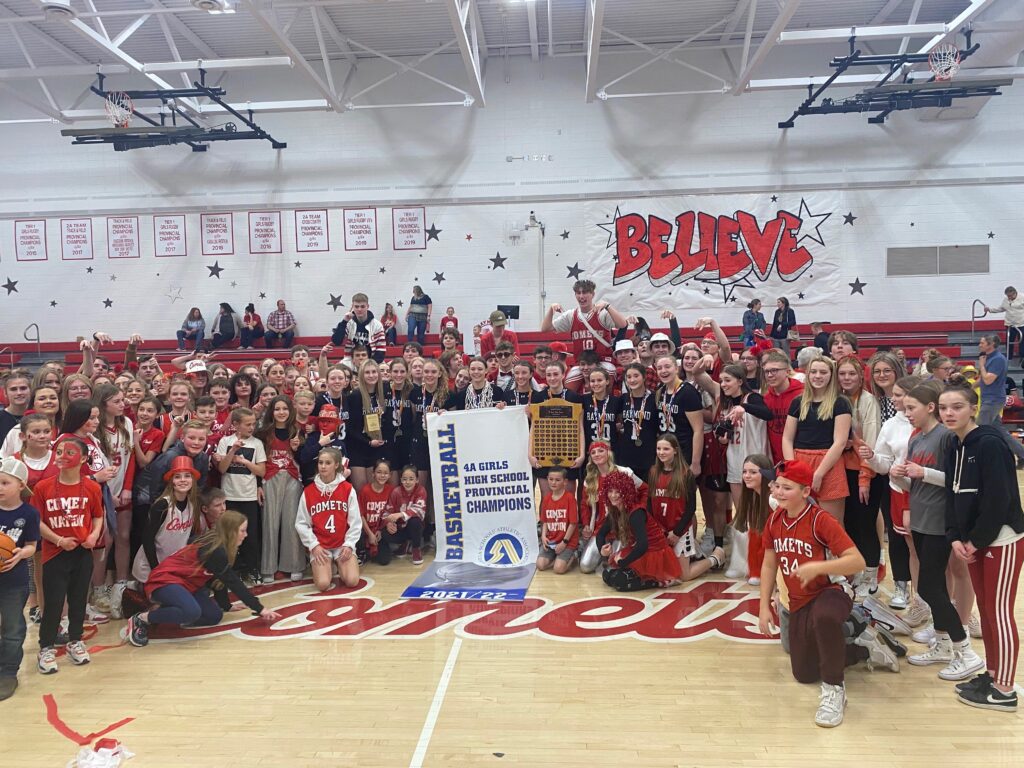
[483,507]
[710,251]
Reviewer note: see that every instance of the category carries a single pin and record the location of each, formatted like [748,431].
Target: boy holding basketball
[19,533]
[560,525]
[798,538]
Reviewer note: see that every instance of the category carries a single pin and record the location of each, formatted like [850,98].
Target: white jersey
[173,535]
[750,436]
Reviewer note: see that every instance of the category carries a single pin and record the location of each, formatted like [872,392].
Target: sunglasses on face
[503,355]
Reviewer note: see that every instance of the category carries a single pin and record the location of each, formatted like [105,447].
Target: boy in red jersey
[798,538]
[590,325]
[373,501]
[559,535]
[71,524]
[329,523]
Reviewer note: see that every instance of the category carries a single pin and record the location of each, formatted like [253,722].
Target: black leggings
[248,560]
[933,552]
[899,552]
[66,576]
[859,521]
[627,580]
[411,532]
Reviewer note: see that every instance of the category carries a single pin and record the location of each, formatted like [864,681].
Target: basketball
[7,547]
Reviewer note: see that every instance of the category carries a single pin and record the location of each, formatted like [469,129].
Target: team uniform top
[67,510]
[280,456]
[636,447]
[373,504]
[470,398]
[558,515]
[806,538]
[38,468]
[587,331]
[599,417]
[670,512]
[672,409]
[328,515]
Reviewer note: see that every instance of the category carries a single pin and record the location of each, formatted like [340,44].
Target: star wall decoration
[113,278]
[174,294]
[707,291]
[438,277]
[401,303]
[215,270]
[53,303]
[799,295]
[609,227]
[298,265]
[108,303]
[234,284]
[263,295]
[856,286]
[575,271]
[991,235]
[88,270]
[498,261]
[335,302]
[565,234]
[382,270]
[849,218]
[11,286]
[775,198]
[810,221]
[433,232]
[469,237]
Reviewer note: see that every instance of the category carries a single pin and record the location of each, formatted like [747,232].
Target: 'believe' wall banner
[483,505]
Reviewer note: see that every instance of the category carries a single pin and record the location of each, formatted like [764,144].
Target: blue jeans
[12,629]
[271,336]
[249,336]
[182,335]
[391,335]
[417,327]
[184,608]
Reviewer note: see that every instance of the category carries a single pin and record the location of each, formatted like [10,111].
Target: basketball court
[861,157]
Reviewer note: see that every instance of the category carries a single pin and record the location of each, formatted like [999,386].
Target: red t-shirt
[488,344]
[280,458]
[152,440]
[449,322]
[779,406]
[558,515]
[68,510]
[373,504]
[666,510]
[804,539]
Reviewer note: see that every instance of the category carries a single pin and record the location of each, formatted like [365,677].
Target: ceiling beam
[50,42]
[963,18]
[459,11]
[297,58]
[43,108]
[128,31]
[90,70]
[339,39]
[531,17]
[787,12]
[183,29]
[842,34]
[593,24]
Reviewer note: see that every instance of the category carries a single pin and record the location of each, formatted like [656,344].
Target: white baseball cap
[11,466]
[623,345]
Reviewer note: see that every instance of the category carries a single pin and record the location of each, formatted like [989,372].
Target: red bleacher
[913,338]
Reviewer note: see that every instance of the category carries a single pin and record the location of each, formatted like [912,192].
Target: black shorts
[714,483]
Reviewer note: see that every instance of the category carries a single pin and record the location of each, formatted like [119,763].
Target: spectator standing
[280,326]
[417,316]
[1013,306]
[753,320]
[992,366]
[783,324]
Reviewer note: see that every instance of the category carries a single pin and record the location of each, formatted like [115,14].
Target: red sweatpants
[994,574]
[755,553]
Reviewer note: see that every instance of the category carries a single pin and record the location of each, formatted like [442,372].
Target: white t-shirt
[239,483]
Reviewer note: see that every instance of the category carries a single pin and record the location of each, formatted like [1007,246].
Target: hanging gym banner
[710,251]
[483,506]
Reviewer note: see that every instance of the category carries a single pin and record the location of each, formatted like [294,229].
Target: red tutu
[659,562]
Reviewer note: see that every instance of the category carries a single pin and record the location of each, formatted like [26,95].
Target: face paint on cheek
[70,456]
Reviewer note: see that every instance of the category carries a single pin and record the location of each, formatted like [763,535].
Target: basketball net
[944,61]
[119,109]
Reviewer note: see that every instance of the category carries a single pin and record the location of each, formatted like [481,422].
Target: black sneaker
[8,685]
[137,632]
[890,640]
[989,697]
[35,614]
[981,681]
[61,639]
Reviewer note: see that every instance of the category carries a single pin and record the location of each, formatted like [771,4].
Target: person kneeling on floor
[797,539]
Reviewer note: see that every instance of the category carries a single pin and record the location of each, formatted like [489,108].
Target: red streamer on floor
[69,733]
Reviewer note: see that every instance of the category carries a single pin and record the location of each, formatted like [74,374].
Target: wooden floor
[577,676]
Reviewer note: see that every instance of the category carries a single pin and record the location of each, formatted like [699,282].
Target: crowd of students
[156,489]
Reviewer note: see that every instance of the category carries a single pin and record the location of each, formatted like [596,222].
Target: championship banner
[702,252]
[483,506]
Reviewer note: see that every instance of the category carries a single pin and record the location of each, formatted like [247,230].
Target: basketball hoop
[119,108]
[944,61]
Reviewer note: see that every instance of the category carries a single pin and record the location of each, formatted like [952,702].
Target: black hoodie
[981,481]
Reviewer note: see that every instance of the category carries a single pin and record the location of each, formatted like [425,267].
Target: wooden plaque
[556,432]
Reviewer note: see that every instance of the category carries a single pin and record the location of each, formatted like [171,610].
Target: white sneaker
[116,593]
[100,598]
[47,661]
[78,653]
[881,614]
[925,636]
[964,664]
[754,581]
[898,601]
[917,612]
[831,706]
[95,616]
[879,654]
[974,626]
[940,653]
[268,578]
[296,576]
[707,541]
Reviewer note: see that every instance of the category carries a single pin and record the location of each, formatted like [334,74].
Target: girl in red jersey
[329,523]
[644,559]
[115,437]
[670,490]
[173,519]
[181,584]
[71,524]
[280,491]
[797,539]
[753,510]
[405,513]
[373,501]
[986,525]
[180,396]
[559,535]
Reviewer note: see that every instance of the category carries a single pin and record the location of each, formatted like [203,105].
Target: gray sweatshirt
[928,495]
